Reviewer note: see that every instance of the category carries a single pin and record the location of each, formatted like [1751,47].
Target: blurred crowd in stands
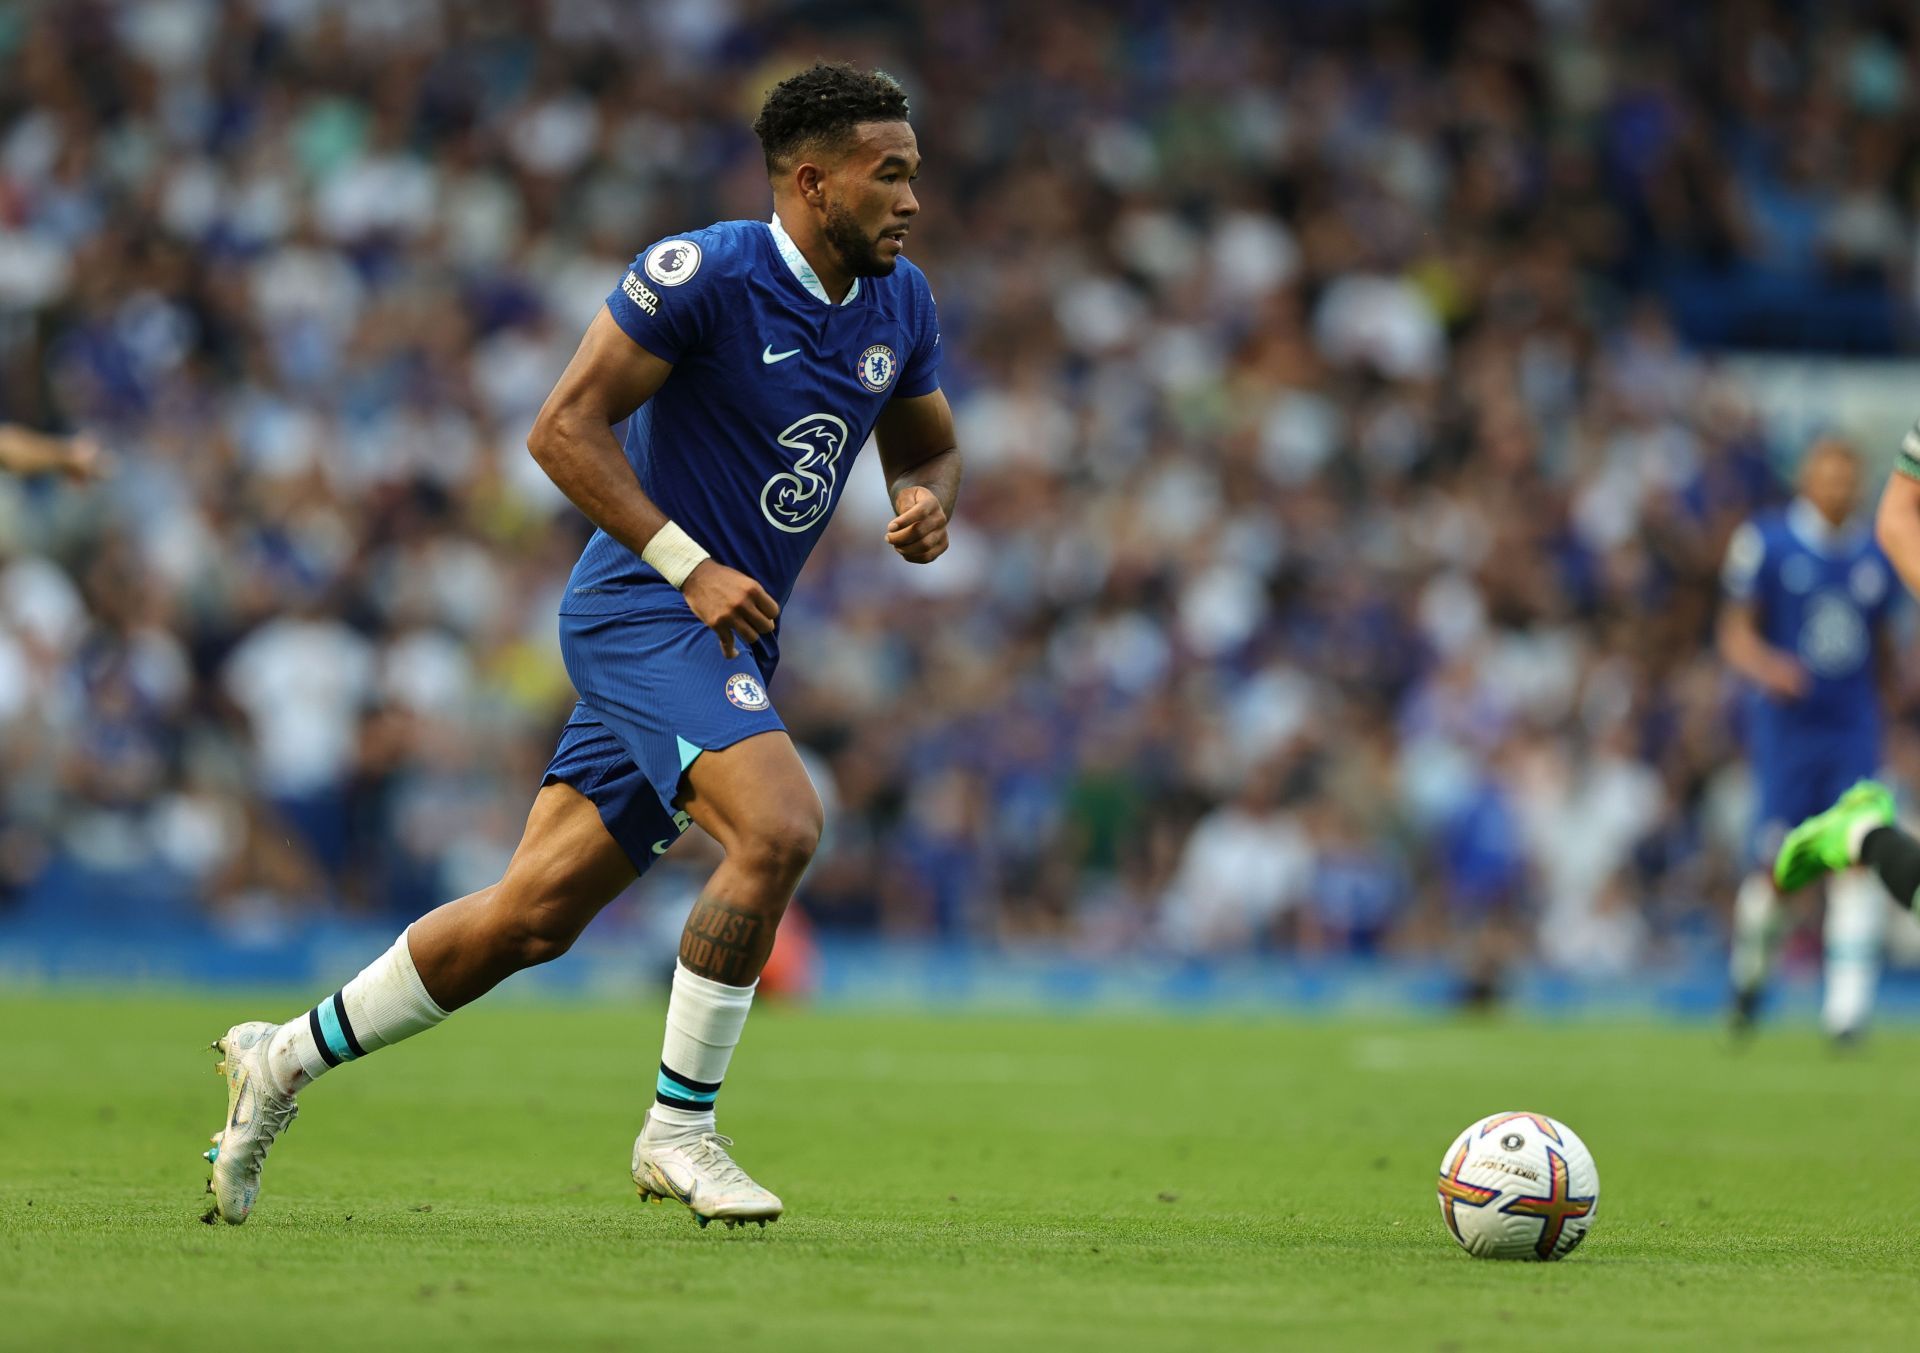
[1348,461]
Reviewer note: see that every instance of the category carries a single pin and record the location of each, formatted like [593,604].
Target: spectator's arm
[25,452]
[923,467]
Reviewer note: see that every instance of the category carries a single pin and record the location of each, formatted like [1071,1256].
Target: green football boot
[1822,844]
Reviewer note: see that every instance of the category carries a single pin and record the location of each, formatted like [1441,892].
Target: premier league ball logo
[877,367]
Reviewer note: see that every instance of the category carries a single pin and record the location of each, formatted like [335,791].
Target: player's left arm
[923,466]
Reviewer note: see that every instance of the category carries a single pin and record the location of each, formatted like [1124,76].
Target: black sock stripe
[690,1105]
[704,1087]
[346,1025]
[320,1038]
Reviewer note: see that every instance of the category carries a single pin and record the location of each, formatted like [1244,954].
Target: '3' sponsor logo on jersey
[795,500]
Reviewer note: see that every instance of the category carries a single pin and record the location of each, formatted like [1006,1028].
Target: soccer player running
[1808,596]
[1859,829]
[754,357]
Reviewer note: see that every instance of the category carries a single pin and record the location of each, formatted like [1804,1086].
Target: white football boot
[257,1112]
[696,1170]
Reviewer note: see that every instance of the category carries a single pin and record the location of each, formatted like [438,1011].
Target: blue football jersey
[1823,595]
[774,390]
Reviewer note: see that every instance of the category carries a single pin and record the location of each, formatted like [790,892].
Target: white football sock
[384,1004]
[704,1020]
[1856,919]
[1755,909]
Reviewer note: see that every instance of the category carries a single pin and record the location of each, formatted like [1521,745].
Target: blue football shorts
[655,692]
[1794,782]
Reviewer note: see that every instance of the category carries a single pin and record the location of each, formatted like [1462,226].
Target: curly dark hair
[821,106]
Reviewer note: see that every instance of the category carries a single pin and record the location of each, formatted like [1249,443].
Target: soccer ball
[1518,1186]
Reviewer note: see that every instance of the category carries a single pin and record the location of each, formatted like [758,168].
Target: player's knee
[536,935]
[539,909]
[783,844]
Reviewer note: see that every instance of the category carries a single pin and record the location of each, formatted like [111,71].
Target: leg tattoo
[726,943]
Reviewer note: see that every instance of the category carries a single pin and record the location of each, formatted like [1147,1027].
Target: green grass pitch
[952,1182]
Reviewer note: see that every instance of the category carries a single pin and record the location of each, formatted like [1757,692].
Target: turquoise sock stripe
[336,1036]
[674,1088]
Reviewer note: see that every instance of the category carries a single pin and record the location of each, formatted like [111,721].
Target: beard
[858,251]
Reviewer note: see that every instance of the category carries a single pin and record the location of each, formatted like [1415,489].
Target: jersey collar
[1814,531]
[797,264]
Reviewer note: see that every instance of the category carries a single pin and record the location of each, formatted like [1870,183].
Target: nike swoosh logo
[242,1106]
[673,1187]
[769,356]
[660,847]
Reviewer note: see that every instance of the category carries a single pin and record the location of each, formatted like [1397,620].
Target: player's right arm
[609,377]
[1897,525]
[1742,645]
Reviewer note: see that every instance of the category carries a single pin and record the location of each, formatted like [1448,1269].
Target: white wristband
[673,554]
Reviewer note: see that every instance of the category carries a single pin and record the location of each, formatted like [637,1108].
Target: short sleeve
[1909,462]
[922,374]
[665,302]
[1746,556]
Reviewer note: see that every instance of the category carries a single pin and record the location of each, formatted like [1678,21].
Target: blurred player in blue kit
[751,359]
[1808,597]
[1859,829]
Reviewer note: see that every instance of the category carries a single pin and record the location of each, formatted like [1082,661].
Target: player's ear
[811,180]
